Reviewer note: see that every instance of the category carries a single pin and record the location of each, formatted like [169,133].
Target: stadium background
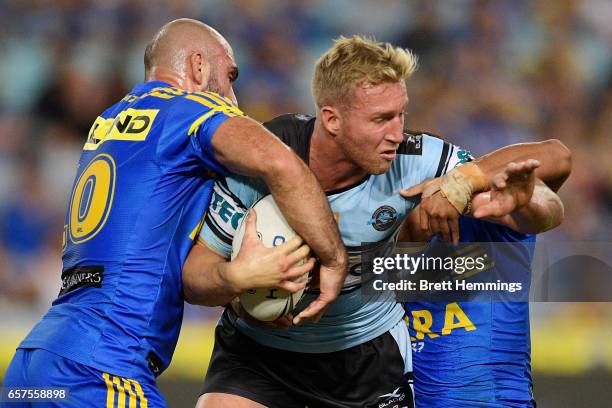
[491,73]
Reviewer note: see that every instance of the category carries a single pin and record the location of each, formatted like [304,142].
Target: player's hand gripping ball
[268,304]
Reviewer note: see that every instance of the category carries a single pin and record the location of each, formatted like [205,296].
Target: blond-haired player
[357,355]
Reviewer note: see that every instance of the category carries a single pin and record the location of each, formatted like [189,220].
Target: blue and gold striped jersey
[143,183]
[476,352]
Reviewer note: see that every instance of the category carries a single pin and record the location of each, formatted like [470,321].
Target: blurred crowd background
[491,73]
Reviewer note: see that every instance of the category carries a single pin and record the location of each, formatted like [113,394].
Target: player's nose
[396,134]
[395,131]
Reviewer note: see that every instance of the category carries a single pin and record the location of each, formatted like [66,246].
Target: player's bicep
[200,262]
[246,147]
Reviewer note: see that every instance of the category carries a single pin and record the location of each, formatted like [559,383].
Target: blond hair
[355,61]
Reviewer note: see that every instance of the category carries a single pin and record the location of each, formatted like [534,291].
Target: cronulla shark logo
[383,218]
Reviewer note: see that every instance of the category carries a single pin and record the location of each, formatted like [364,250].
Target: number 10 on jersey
[92,199]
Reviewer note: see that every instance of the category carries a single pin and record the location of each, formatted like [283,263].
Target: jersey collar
[145,87]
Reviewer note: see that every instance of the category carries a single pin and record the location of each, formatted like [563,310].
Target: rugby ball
[273,230]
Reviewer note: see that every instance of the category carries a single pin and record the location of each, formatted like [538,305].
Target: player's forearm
[554,156]
[543,212]
[246,147]
[299,196]
[205,282]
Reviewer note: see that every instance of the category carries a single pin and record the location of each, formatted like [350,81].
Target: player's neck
[171,77]
[328,162]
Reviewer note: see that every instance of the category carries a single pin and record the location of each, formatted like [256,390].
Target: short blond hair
[356,60]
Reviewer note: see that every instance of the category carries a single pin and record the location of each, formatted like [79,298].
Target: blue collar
[145,87]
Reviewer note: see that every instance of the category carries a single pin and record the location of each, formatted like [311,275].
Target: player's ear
[200,70]
[330,117]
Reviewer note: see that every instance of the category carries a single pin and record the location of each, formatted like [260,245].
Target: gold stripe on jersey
[224,98]
[205,99]
[194,127]
[120,392]
[110,391]
[159,94]
[117,388]
[128,388]
[141,396]
[202,100]
[130,98]
[173,91]
[165,92]
[221,100]
[211,98]
[196,231]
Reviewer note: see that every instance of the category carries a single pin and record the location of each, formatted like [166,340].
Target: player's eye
[233,75]
[382,119]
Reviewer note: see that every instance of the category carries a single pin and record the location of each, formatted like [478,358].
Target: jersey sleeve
[440,156]
[216,111]
[422,156]
[232,196]
[192,121]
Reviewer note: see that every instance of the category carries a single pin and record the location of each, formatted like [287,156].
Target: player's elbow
[190,297]
[192,292]
[563,156]
[558,214]
[189,284]
[283,165]
[553,216]
[194,296]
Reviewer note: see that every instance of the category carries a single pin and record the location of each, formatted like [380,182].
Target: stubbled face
[371,128]
[223,72]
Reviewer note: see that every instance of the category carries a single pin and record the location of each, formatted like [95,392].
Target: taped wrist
[459,184]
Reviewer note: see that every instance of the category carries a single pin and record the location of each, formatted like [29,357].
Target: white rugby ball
[273,230]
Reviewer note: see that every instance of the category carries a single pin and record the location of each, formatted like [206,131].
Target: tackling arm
[519,201]
[246,147]
[209,279]
[554,157]
[544,211]
[443,199]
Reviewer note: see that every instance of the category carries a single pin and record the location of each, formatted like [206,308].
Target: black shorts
[367,375]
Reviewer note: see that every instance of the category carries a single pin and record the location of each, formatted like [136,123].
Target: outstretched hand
[510,190]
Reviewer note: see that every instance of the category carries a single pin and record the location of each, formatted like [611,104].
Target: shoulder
[416,142]
[293,129]
[196,102]
[290,124]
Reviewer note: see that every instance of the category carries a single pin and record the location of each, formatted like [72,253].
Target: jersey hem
[290,345]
